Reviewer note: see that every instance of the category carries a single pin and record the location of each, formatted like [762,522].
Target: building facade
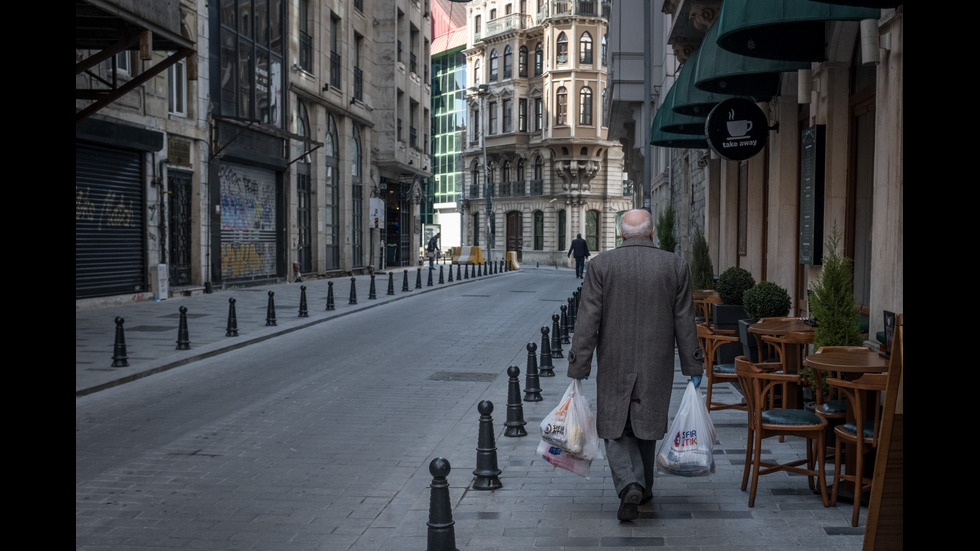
[448,119]
[538,165]
[827,78]
[228,142]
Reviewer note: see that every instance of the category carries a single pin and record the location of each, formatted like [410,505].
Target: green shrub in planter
[702,272]
[732,284]
[766,300]
[832,299]
[665,230]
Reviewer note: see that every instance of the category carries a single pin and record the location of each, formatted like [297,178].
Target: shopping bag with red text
[686,448]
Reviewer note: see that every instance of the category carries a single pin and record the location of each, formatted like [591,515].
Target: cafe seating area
[851,423]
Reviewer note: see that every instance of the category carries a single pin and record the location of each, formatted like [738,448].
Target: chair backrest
[759,382]
[863,395]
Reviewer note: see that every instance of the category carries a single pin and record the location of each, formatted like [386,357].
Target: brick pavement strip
[329,449]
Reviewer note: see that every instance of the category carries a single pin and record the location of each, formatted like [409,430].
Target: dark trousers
[579,266]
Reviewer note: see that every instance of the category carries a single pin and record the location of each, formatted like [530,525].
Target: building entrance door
[515,233]
[179,184]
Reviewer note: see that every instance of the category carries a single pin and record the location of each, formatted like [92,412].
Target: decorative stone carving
[704,14]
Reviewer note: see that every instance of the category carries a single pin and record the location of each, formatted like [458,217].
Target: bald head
[636,223]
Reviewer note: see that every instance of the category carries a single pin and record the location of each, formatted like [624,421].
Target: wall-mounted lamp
[869,42]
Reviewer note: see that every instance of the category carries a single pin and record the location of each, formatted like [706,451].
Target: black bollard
[418,278]
[532,388]
[183,339]
[450,270]
[391,283]
[441,533]
[546,368]
[487,473]
[571,315]
[466,274]
[458,272]
[232,329]
[555,338]
[303,313]
[371,293]
[442,279]
[329,295]
[405,281]
[515,408]
[428,282]
[119,357]
[564,325]
[270,311]
[353,291]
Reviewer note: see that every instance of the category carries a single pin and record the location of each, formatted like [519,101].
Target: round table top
[780,327]
[848,361]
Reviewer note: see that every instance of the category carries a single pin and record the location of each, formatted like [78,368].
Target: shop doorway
[515,233]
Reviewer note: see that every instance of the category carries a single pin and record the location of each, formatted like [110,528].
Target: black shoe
[629,499]
[647,498]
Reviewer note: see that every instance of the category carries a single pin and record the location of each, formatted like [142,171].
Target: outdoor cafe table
[855,363]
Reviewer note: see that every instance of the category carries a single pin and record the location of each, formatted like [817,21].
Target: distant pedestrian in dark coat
[580,249]
[634,306]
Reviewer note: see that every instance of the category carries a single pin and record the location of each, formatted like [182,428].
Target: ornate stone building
[538,166]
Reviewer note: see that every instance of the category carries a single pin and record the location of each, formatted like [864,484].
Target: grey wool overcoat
[634,305]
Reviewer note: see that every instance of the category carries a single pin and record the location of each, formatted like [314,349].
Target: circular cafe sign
[736,129]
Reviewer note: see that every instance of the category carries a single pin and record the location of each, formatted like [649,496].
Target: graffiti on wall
[109,211]
[248,233]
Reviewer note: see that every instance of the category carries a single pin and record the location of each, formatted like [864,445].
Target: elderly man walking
[634,306]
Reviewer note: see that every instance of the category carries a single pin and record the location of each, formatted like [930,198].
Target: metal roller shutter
[110,251]
[248,222]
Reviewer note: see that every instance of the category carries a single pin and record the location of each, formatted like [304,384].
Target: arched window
[477,72]
[538,60]
[493,65]
[538,168]
[561,52]
[585,106]
[592,230]
[505,172]
[562,221]
[331,214]
[522,62]
[520,170]
[538,230]
[508,62]
[561,97]
[585,48]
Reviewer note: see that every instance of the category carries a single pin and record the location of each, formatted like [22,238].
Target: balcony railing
[474,191]
[413,63]
[564,8]
[504,189]
[358,84]
[305,51]
[508,23]
[413,136]
[537,187]
[335,69]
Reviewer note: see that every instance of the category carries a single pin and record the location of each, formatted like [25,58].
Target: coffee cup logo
[737,128]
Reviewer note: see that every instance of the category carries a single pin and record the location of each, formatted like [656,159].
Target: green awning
[673,122]
[722,72]
[791,30]
[689,99]
[670,129]
[864,3]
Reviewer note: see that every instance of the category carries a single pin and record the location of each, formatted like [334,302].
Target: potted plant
[765,300]
[665,229]
[702,272]
[731,287]
[832,303]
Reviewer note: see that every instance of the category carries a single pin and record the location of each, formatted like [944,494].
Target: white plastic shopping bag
[571,425]
[563,460]
[686,449]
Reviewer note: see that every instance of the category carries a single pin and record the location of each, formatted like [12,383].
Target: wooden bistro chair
[864,400]
[759,381]
[717,373]
[833,407]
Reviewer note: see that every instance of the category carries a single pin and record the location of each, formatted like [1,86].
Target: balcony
[567,8]
[514,21]
[537,187]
